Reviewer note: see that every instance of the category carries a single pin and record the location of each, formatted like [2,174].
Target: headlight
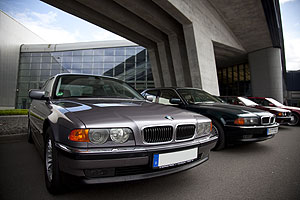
[246,121]
[98,136]
[280,114]
[101,136]
[203,128]
[119,135]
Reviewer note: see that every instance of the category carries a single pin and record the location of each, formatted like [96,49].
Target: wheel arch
[298,115]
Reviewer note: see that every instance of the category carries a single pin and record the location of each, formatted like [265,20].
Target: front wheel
[52,173]
[217,130]
[295,119]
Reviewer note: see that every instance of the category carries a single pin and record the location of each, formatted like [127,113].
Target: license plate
[174,158]
[272,131]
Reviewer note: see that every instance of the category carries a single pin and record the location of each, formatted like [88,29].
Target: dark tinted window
[261,102]
[166,95]
[194,96]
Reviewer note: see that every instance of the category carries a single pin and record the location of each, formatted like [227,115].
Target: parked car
[231,123]
[274,103]
[283,116]
[101,130]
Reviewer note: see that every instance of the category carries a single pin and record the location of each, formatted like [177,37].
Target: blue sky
[56,26]
[52,24]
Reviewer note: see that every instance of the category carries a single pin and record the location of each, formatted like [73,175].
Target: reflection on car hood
[233,109]
[276,109]
[291,108]
[95,113]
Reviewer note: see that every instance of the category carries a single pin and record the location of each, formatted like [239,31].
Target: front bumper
[126,164]
[249,133]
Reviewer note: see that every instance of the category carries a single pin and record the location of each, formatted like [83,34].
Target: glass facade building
[130,64]
[235,80]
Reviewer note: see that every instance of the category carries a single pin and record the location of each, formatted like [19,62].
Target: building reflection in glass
[130,64]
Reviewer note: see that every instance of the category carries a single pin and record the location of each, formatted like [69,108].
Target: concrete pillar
[166,64]
[266,73]
[156,68]
[202,62]
[177,62]
[192,56]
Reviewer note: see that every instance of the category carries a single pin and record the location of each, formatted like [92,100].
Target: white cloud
[285,1]
[292,49]
[47,18]
[45,26]
[105,35]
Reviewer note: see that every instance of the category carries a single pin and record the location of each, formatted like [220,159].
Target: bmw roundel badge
[169,117]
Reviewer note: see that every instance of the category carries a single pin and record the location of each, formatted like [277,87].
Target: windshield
[273,101]
[94,86]
[194,96]
[247,102]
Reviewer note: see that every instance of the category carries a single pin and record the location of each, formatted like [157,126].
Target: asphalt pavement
[264,170]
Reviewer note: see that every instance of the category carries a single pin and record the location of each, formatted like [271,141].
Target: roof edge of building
[75,46]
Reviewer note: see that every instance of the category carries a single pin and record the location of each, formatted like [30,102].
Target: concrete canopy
[186,39]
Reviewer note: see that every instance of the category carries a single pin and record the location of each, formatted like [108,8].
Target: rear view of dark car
[231,123]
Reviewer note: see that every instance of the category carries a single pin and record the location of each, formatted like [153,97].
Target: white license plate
[174,158]
[272,131]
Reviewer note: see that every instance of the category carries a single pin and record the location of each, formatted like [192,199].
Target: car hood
[291,108]
[103,113]
[232,109]
[276,109]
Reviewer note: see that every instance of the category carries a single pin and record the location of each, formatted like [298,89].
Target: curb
[16,137]
[8,116]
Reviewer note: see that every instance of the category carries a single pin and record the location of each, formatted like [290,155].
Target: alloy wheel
[49,160]
[295,120]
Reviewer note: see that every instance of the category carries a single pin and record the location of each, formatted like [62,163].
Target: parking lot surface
[264,170]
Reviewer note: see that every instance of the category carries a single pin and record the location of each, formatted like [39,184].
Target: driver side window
[166,95]
[47,87]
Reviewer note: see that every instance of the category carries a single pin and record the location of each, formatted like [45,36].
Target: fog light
[247,136]
[96,173]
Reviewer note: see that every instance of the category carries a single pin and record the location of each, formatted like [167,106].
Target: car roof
[79,74]
[174,88]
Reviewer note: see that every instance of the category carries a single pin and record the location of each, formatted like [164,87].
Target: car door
[39,111]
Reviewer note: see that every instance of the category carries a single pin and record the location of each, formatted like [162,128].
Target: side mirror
[149,98]
[175,101]
[37,94]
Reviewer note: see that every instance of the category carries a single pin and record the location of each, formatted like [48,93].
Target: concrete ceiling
[247,21]
[227,56]
[245,18]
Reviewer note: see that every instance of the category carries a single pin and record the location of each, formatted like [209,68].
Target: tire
[53,177]
[295,121]
[218,130]
[29,136]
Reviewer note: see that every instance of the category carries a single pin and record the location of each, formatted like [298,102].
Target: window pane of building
[125,63]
